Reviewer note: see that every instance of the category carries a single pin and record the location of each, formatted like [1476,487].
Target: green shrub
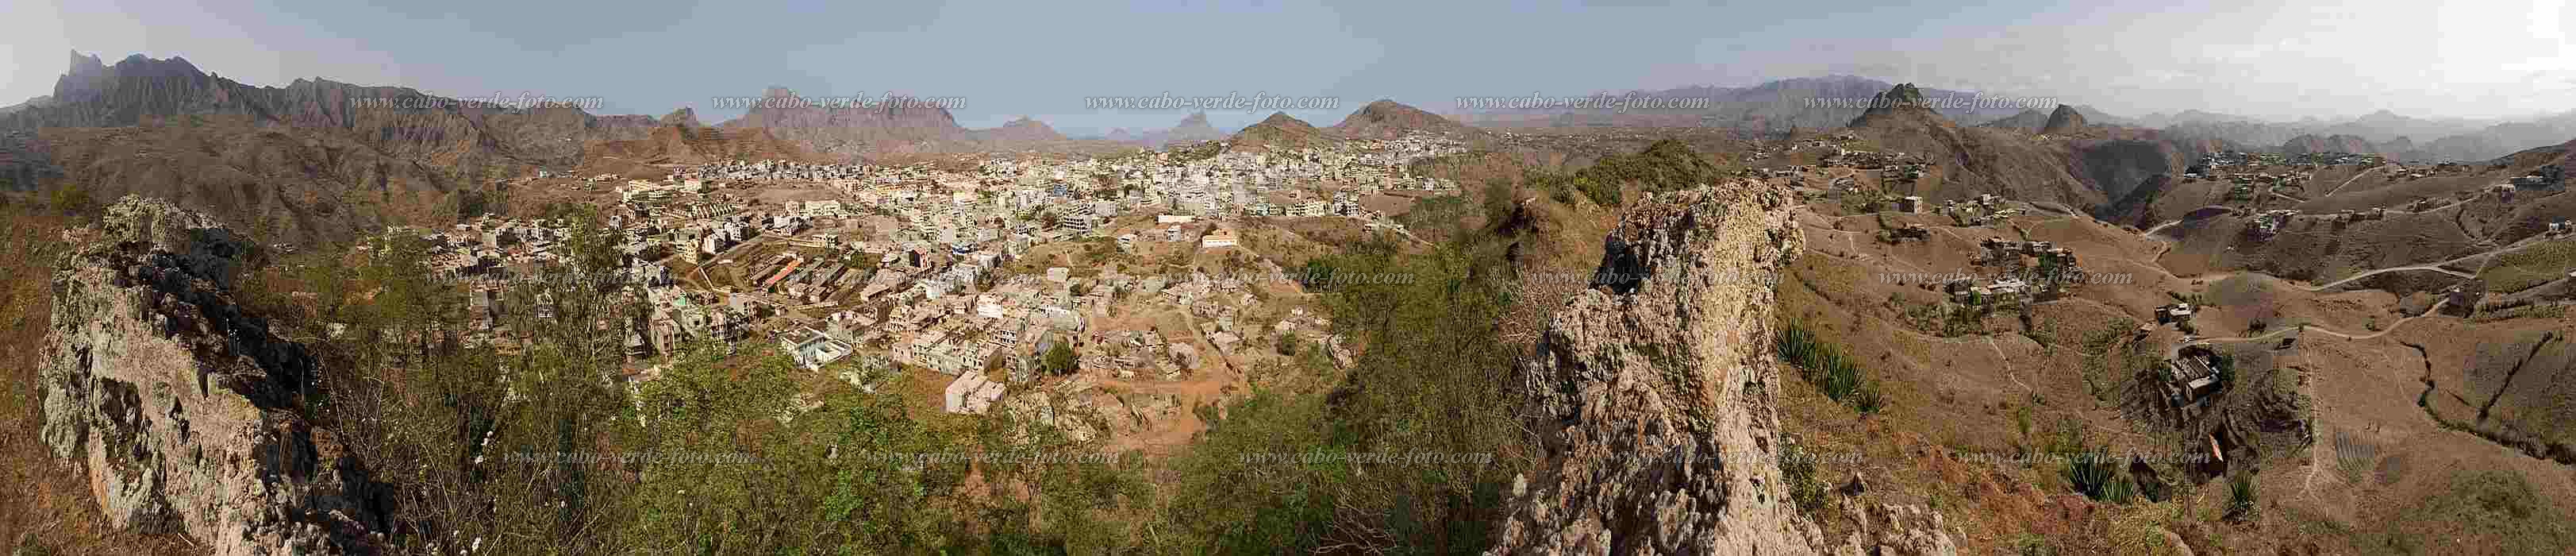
[2240,496]
[1799,471]
[1828,368]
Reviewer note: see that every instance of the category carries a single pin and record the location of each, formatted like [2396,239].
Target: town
[867,271]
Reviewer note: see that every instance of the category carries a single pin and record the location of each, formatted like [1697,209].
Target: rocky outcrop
[684,117]
[1898,103]
[178,407]
[2062,121]
[1656,389]
[1654,397]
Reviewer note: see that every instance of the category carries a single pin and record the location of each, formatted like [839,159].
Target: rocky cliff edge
[178,408]
[1654,395]
[1657,387]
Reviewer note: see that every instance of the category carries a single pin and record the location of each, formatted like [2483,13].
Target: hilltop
[2063,120]
[1021,131]
[684,117]
[1279,131]
[845,127]
[1387,119]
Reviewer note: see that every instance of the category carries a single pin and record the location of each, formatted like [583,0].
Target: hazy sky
[2263,58]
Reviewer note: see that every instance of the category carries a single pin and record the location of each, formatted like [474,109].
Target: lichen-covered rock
[1657,388]
[1897,530]
[179,407]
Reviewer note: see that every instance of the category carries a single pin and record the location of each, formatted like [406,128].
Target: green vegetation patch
[2531,266]
[1825,365]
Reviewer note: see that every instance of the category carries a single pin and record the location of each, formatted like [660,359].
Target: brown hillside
[1279,131]
[696,145]
[1387,119]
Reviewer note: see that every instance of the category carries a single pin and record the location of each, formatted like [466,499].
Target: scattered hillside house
[2008,287]
[1909,204]
[2174,313]
[2269,222]
[1222,237]
[2544,176]
[813,349]
[972,394]
[2192,376]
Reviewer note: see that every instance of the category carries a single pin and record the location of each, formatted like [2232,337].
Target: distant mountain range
[1832,101]
[465,138]
[1191,129]
[1801,103]
[848,128]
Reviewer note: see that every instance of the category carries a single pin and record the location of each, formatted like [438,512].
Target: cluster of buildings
[910,264]
[2057,269]
[2545,176]
[2268,223]
[922,266]
[767,171]
[1986,209]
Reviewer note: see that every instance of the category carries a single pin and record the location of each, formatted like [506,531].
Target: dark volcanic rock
[2064,120]
[1900,101]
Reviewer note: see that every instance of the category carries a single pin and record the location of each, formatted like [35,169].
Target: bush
[1059,359]
[1799,470]
[1825,366]
[2091,470]
[71,199]
[2240,496]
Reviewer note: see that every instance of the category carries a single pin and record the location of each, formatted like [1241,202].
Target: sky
[1000,60]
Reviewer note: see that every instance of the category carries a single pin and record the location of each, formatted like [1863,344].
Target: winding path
[2348,181]
[2435,267]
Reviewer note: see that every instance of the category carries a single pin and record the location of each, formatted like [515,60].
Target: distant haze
[2277,60]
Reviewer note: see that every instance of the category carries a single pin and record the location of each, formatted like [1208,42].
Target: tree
[1059,360]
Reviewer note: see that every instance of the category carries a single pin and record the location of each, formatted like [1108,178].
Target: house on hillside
[813,349]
